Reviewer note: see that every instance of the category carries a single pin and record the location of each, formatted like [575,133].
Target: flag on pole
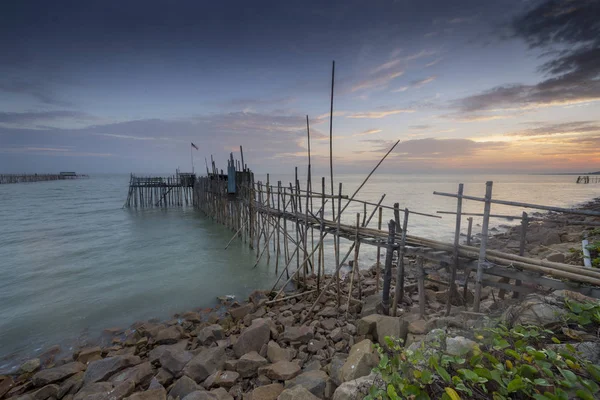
[194,146]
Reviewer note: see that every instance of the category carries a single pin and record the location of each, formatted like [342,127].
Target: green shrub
[515,363]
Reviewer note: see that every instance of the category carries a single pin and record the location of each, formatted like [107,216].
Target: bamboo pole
[378,265]
[337,247]
[421,285]
[483,245]
[399,293]
[527,205]
[387,277]
[452,286]
[354,264]
[470,219]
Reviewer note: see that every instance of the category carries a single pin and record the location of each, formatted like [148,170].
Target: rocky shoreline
[261,349]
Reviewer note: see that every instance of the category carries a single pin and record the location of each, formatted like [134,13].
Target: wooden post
[452,287]
[378,265]
[399,292]
[387,276]
[321,229]
[482,248]
[337,242]
[354,264]
[524,223]
[470,219]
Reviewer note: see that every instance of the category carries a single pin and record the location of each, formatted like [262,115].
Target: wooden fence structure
[286,225]
[156,191]
[25,178]
[588,179]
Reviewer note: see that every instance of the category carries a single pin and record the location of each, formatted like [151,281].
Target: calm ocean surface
[73,262]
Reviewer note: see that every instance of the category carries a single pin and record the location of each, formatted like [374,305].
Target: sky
[466,86]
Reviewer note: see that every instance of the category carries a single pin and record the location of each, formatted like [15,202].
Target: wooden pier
[588,179]
[286,225]
[25,178]
[153,191]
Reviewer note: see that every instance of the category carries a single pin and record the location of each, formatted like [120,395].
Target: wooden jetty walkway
[24,178]
[588,179]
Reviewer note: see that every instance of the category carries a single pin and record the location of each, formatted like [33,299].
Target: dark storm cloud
[33,117]
[570,32]
[36,89]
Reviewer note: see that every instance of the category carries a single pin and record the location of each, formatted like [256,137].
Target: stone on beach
[253,338]
[30,366]
[313,381]
[205,364]
[248,364]
[361,360]
[281,370]
[100,370]
[276,353]
[297,393]
[183,387]
[141,374]
[174,360]
[89,354]
[57,374]
[267,392]
[152,394]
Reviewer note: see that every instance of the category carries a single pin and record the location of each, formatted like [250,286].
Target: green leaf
[527,371]
[391,392]
[468,374]
[443,373]
[584,395]
[426,377]
[384,361]
[515,384]
[452,393]
[541,382]
[594,371]
[484,373]
[569,375]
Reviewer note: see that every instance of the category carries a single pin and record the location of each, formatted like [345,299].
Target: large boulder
[183,387]
[95,390]
[57,374]
[356,389]
[89,354]
[281,371]
[459,345]
[158,351]
[6,383]
[140,375]
[100,370]
[335,368]
[313,381]
[174,360]
[275,353]
[296,393]
[241,311]
[30,366]
[170,335]
[545,311]
[210,334]
[253,338]
[205,363]
[267,392]
[71,385]
[302,334]
[46,392]
[360,362]
[248,364]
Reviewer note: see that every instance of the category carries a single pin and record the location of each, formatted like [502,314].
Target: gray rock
[153,394]
[57,374]
[241,311]
[459,345]
[535,310]
[224,379]
[556,257]
[297,393]
[71,385]
[205,363]
[170,335]
[201,395]
[97,388]
[335,367]
[164,377]
[46,392]
[281,370]
[89,354]
[222,394]
[210,334]
[247,366]
[30,366]
[355,389]
[300,334]
[140,375]
[371,305]
[156,352]
[316,345]
[267,392]
[183,387]
[253,337]
[390,326]
[174,360]
[329,324]
[313,381]
[100,370]
[361,360]
[275,353]
[336,335]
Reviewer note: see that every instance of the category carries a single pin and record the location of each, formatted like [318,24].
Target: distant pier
[24,178]
[588,179]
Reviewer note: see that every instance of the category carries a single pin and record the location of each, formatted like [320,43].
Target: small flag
[194,146]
